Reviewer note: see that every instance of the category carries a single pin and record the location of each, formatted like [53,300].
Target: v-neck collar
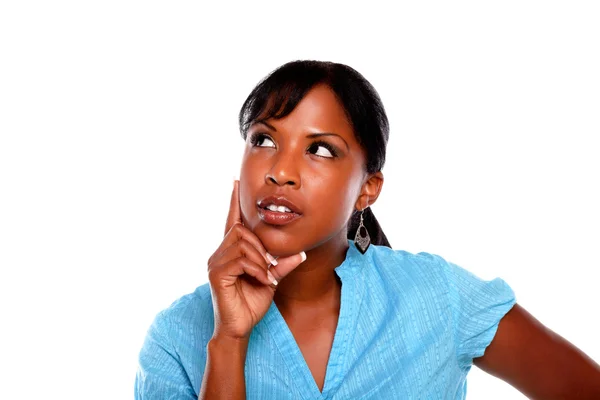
[337,365]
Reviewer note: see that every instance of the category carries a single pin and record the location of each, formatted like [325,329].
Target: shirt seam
[452,313]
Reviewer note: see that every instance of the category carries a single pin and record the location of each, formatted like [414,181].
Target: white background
[119,143]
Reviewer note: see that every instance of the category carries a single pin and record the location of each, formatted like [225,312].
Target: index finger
[235,215]
[285,265]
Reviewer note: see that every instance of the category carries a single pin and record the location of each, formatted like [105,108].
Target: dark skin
[287,160]
[538,362]
[284,157]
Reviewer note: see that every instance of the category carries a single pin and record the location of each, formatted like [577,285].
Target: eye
[261,140]
[322,149]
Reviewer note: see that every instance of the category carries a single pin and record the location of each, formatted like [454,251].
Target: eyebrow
[260,121]
[316,135]
[311,136]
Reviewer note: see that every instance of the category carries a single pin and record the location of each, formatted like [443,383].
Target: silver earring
[362,240]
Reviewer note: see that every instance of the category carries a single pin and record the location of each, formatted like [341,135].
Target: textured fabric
[409,328]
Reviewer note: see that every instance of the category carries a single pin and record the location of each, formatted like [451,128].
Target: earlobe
[362,202]
[370,191]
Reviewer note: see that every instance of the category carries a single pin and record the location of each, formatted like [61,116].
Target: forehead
[318,111]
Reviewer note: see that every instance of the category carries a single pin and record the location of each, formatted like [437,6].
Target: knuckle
[214,259]
[243,261]
[244,247]
[232,229]
[237,228]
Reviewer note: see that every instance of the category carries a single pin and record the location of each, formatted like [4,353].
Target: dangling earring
[362,240]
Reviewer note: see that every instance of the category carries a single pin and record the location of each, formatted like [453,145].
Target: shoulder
[188,317]
[401,266]
[432,271]
[192,304]
[173,356]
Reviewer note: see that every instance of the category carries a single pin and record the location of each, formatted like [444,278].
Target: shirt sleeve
[160,374]
[477,307]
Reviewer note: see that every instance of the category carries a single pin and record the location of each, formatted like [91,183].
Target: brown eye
[323,149]
[262,140]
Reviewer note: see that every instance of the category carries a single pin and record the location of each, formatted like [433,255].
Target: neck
[314,281]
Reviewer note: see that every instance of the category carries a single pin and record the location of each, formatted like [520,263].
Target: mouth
[277,210]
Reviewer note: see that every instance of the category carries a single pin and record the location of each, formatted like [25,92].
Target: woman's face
[308,162]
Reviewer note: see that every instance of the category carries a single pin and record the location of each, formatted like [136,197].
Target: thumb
[285,265]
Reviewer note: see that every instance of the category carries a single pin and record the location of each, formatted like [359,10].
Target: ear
[369,191]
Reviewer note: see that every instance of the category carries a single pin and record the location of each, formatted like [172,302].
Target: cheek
[333,192]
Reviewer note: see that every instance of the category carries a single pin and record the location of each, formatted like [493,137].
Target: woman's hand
[241,283]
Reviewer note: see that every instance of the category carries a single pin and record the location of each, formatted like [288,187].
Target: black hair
[279,93]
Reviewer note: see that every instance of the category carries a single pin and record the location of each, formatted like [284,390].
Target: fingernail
[303,255]
[271,259]
[271,278]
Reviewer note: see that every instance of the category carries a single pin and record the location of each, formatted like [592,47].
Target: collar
[354,261]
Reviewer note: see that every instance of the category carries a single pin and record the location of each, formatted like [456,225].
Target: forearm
[224,373]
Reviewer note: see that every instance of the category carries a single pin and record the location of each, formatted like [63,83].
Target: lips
[277,217]
[278,201]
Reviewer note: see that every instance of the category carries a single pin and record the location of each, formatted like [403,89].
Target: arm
[537,361]
[160,374]
[224,374]
[243,278]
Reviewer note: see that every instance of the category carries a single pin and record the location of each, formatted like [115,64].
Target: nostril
[272,179]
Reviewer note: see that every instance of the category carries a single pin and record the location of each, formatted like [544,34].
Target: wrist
[224,370]
[228,344]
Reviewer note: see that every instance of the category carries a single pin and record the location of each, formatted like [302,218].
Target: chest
[380,350]
[386,363]
[315,342]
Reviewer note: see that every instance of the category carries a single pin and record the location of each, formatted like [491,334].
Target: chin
[280,244]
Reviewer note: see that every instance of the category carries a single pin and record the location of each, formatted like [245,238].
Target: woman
[307,299]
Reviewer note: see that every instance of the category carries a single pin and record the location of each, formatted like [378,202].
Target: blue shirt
[409,327]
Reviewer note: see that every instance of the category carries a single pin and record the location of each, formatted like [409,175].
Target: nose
[284,171]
